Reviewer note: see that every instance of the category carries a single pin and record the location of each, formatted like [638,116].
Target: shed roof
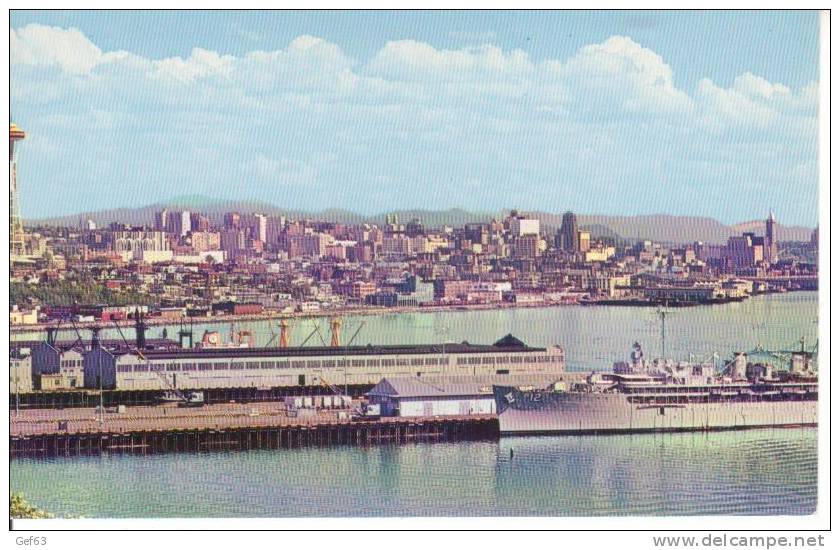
[453,386]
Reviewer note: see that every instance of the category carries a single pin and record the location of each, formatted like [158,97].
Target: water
[760,472]
[765,472]
[594,337]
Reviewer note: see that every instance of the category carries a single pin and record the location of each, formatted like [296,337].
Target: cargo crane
[183,399]
[285,329]
[363,411]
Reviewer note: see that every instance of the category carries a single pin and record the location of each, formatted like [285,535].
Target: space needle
[16,238]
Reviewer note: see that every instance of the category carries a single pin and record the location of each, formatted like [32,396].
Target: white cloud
[40,45]
[308,63]
[752,103]
[754,86]
[610,104]
[622,74]
[600,80]
[410,60]
[200,64]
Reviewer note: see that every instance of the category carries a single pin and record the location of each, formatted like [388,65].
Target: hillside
[657,227]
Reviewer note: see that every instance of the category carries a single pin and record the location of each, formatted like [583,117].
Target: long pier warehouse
[76,374]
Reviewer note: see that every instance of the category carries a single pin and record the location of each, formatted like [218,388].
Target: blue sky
[694,113]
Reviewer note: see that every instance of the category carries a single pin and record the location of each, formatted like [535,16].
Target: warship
[666,396]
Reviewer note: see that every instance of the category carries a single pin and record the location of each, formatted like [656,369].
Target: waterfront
[764,472]
[759,472]
[594,337]
[770,472]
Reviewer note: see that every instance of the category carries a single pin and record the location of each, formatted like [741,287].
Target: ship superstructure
[641,396]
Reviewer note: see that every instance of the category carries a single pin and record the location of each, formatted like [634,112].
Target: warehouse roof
[506,344]
[116,345]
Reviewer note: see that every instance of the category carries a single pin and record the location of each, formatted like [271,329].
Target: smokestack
[284,333]
[335,326]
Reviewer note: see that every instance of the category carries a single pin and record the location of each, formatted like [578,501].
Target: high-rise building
[177,223]
[232,240]
[584,240]
[256,225]
[526,247]
[771,246]
[477,233]
[205,241]
[186,222]
[522,225]
[199,222]
[162,220]
[16,237]
[231,220]
[743,251]
[569,238]
[414,228]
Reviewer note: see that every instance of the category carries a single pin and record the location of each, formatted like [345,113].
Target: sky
[621,113]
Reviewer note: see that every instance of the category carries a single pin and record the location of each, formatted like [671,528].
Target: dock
[147,430]
[81,398]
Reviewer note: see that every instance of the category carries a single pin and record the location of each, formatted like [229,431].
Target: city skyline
[304,116]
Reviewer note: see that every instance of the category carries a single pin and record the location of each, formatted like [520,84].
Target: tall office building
[256,225]
[771,246]
[16,237]
[231,220]
[744,251]
[521,226]
[199,222]
[569,237]
[162,220]
[178,223]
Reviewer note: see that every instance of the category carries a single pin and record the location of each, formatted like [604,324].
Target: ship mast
[661,313]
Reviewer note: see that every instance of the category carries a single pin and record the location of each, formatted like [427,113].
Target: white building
[445,396]
[20,371]
[520,227]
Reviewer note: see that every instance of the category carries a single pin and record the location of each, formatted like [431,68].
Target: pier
[148,430]
[52,399]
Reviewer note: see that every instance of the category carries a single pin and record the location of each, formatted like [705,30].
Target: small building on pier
[20,370]
[445,396]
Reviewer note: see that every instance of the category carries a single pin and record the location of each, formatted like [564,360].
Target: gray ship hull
[545,412]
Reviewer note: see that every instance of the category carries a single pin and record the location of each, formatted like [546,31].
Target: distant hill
[658,227]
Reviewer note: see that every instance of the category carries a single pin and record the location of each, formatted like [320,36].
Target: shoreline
[343,312]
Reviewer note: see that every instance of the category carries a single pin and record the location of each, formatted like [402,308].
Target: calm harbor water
[593,336]
[766,472]
[759,472]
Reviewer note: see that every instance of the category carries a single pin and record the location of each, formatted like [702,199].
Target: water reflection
[764,472]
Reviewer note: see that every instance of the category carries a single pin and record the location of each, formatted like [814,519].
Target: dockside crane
[186,399]
[360,411]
